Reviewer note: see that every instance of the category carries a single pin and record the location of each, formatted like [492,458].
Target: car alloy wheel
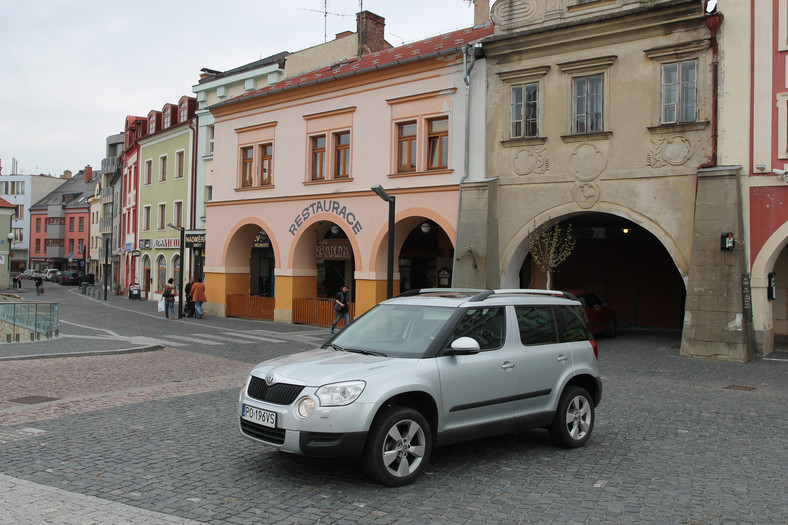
[574,419]
[398,446]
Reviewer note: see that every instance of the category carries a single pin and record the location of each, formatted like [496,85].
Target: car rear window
[571,324]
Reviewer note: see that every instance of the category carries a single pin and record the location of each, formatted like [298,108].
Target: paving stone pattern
[672,445]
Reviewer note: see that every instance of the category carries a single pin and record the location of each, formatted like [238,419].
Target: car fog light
[306,407]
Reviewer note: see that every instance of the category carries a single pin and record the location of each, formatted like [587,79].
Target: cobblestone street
[152,437]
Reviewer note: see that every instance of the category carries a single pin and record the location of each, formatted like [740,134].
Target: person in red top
[198,296]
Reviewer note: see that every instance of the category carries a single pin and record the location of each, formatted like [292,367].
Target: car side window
[486,325]
[571,324]
[536,325]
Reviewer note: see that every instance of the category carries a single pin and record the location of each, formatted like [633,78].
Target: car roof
[471,297]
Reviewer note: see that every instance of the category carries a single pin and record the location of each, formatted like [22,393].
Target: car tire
[574,419]
[398,446]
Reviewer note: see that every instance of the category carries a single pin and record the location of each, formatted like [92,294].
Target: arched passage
[619,261]
[770,316]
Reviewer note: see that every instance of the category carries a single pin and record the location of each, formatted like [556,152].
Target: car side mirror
[463,346]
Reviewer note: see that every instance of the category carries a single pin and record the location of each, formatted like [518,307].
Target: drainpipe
[466,74]
[713,23]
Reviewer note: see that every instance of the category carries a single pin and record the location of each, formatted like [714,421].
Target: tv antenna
[326,12]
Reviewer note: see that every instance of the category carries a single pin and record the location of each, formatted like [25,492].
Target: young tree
[550,246]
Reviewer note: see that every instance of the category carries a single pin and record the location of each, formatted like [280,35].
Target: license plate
[261,417]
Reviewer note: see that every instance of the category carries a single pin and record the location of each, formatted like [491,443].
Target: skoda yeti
[429,368]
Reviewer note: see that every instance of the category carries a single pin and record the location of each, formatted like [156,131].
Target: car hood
[320,367]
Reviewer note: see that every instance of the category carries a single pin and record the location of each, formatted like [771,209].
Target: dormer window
[167,118]
[184,111]
[152,125]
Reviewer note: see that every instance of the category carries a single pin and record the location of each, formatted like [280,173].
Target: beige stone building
[601,114]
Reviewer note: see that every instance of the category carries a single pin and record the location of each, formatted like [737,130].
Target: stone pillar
[477,237]
[290,285]
[716,325]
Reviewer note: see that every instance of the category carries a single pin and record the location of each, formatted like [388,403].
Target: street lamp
[380,192]
[180,285]
[8,259]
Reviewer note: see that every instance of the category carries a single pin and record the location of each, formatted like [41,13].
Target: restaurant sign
[333,250]
[325,206]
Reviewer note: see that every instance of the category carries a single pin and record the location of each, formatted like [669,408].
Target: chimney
[481,12]
[343,34]
[88,173]
[370,29]
[66,174]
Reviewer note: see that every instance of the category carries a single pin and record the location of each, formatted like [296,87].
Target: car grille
[278,394]
[270,435]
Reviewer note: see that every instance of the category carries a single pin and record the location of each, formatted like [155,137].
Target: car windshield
[395,330]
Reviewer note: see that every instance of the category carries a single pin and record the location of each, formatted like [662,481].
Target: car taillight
[596,350]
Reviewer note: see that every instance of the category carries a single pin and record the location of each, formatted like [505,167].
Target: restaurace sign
[325,206]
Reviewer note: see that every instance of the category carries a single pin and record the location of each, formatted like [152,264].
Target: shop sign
[261,241]
[163,244]
[195,239]
[333,250]
[325,206]
[144,244]
[135,253]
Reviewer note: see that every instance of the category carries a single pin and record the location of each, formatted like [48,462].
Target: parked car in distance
[601,319]
[68,277]
[430,368]
[49,274]
[29,274]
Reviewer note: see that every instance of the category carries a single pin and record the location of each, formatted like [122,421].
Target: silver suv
[429,368]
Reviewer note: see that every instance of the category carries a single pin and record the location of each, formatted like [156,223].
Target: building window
[247,166]
[406,147]
[587,104]
[438,144]
[178,213]
[71,247]
[342,155]
[19,211]
[184,111]
[163,168]
[266,164]
[210,140]
[180,164]
[19,234]
[524,110]
[146,218]
[152,125]
[38,245]
[679,92]
[71,224]
[148,171]
[166,118]
[162,216]
[318,158]
[82,224]
[38,224]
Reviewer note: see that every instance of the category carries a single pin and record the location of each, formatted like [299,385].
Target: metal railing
[28,321]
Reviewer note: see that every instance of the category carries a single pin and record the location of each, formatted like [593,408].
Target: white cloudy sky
[71,70]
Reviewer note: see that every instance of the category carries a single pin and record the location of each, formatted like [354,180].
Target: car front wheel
[574,419]
[398,446]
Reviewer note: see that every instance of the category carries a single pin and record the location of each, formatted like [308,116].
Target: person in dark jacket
[39,284]
[341,307]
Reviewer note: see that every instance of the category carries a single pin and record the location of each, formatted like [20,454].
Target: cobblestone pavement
[152,437]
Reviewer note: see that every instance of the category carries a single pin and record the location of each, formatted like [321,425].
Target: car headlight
[340,394]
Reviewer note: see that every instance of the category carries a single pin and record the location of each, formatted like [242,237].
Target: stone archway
[770,318]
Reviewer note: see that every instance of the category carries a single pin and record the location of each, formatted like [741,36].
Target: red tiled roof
[428,48]
[5,204]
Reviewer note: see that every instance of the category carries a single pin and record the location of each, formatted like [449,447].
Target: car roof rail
[528,291]
[420,291]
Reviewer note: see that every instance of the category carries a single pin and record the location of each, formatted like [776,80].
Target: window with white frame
[177,214]
[679,92]
[163,168]
[162,216]
[152,125]
[146,218]
[524,106]
[166,118]
[210,139]
[184,111]
[587,104]
[180,164]
[148,172]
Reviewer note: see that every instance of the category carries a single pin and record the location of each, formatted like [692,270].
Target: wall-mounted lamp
[625,230]
[334,229]
[425,227]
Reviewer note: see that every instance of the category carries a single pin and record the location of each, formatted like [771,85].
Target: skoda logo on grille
[270,379]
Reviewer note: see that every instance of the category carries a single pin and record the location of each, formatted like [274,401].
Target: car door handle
[562,358]
[507,365]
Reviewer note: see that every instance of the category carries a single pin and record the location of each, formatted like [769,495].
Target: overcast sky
[71,70]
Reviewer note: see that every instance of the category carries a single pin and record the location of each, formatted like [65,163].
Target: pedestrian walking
[39,284]
[341,307]
[169,298]
[188,309]
[198,296]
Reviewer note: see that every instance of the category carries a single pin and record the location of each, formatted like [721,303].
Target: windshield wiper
[364,352]
[334,346]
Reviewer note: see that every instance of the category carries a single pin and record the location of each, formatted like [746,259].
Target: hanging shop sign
[262,240]
[195,239]
[325,206]
[333,250]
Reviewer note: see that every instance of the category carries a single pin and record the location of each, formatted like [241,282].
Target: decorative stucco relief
[510,15]
[587,162]
[530,160]
[586,194]
[674,151]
